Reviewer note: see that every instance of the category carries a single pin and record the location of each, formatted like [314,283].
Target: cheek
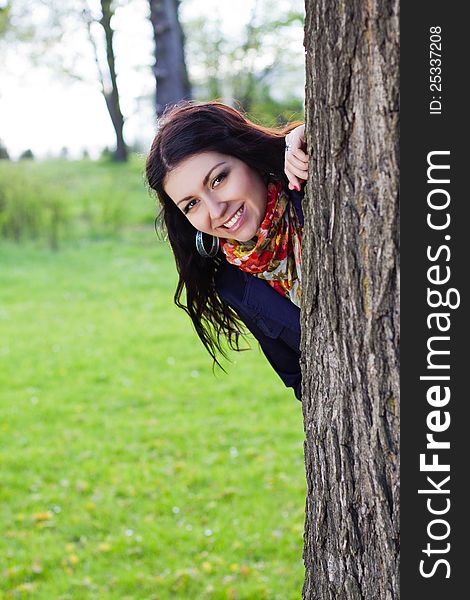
[255,188]
[199,218]
[261,200]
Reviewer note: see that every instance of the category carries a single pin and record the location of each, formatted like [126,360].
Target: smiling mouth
[234,219]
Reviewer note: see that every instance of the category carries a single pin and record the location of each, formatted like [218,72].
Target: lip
[239,223]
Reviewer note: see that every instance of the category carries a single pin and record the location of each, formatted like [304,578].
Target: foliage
[3,151]
[131,471]
[4,17]
[60,199]
[268,111]
[259,70]
[29,209]
[27,155]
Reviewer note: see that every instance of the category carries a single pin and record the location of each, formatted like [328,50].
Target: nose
[215,206]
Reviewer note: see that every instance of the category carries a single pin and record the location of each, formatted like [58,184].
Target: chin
[245,237]
[248,233]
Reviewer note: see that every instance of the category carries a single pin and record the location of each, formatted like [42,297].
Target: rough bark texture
[170,67]
[351,301]
[112,95]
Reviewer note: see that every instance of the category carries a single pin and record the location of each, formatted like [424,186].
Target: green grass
[129,470]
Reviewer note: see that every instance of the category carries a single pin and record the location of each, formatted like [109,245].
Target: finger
[291,159]
[294,186]
[293,181]
[297,171]
[295,145]
[293,149]
[293,142]
[293,171]
[298,153]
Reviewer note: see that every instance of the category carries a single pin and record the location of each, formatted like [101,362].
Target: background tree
[27,155]
[350,311]
[171,77]
[39,37]
[109,86]
[3,151]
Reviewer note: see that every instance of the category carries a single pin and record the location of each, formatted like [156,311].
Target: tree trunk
[351,302]
[170,67]
[112,95]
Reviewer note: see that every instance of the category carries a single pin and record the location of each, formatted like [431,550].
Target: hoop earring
[200,246]
[270,177]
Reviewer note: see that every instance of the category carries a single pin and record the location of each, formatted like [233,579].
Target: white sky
[40,111]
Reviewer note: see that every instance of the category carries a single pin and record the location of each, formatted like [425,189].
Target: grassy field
[129,470]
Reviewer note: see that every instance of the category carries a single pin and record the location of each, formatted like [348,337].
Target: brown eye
[220,177]
[189,206]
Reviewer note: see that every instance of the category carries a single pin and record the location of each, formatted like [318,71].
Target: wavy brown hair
[185,130]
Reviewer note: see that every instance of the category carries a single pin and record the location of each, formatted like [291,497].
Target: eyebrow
[204,182]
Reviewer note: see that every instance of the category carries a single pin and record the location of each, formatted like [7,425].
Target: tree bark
[170,71]
[351,302]
[112,95]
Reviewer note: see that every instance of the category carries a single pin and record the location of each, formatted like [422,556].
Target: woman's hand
[296,160]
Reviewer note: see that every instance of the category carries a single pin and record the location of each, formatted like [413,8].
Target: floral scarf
[274,254]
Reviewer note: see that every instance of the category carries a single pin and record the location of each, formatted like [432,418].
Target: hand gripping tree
[350,301]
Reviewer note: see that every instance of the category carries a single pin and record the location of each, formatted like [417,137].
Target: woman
[234,229]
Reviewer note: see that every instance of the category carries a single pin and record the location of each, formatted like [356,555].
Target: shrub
[27,155]
[78,199]
[29,208]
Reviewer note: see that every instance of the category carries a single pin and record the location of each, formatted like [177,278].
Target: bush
[29,208]
[27,155]
[103,208]
[80,199]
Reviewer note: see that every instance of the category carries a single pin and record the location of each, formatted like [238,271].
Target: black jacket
[273,319]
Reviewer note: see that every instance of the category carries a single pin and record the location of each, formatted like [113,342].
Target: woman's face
[219,194]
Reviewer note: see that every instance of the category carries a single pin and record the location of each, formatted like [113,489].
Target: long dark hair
[183,131]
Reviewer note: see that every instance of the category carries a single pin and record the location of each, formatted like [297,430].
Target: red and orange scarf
[275,253]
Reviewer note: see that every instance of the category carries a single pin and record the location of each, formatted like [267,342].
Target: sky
[44,112]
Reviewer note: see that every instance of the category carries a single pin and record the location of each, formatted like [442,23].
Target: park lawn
[129,470]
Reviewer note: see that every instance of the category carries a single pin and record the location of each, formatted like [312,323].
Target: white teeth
[234,219]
